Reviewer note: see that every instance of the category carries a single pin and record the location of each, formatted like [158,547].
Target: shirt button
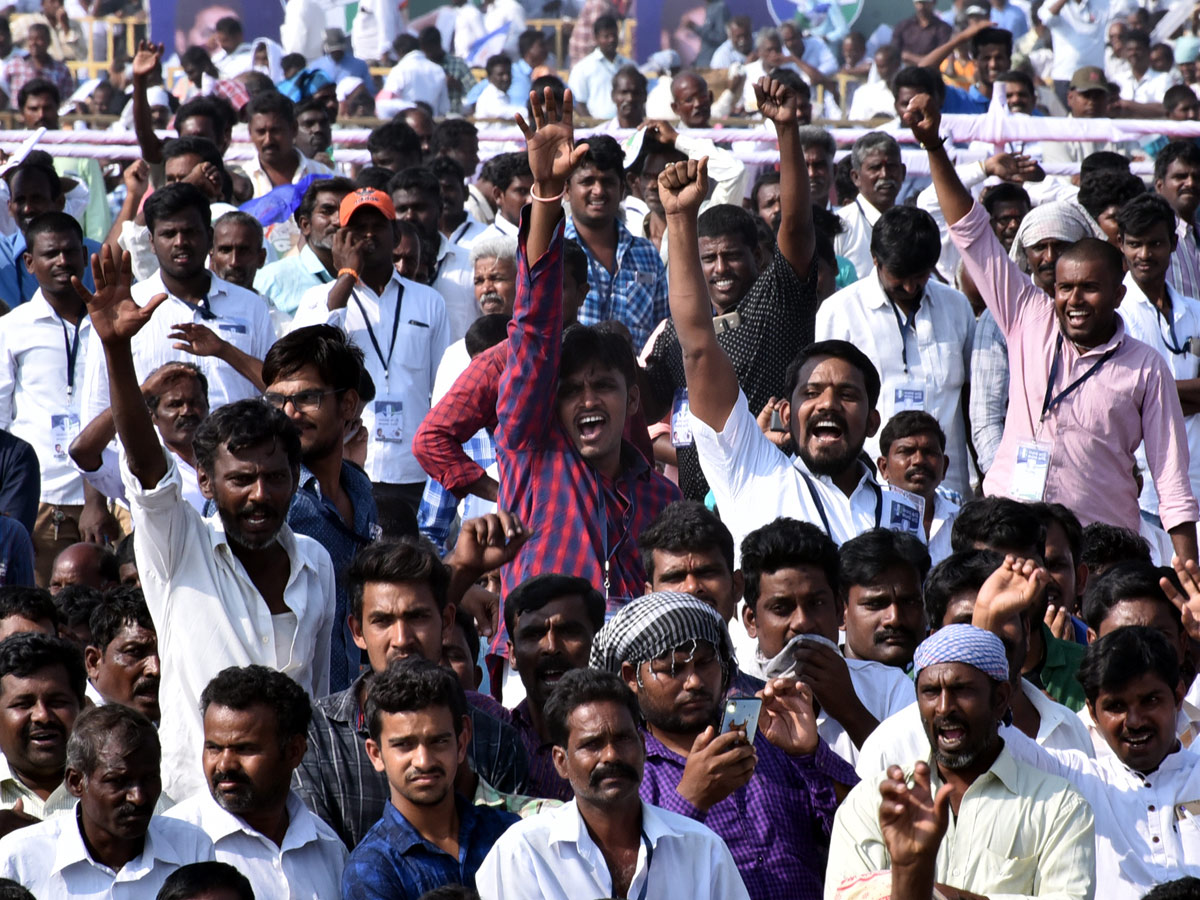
[1155,839]
[1151,807]
[264,640]
[760,859]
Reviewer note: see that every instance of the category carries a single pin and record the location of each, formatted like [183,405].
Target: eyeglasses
[305,401]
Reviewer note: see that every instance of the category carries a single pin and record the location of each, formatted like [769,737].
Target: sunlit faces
[885,619]
[495,285]
[1148,255]
[791,601]
[400,620]
[681,691]
[917,463]
[1138,720]
[1087,293]
[549,642]
[830,414]
[701,572]
[420,752]
[253,490]
[1180,186]
[593,402]
[127,670]
[879,178]
[594,196]
[960,709]
[604,756]
[37,713]
[730,268]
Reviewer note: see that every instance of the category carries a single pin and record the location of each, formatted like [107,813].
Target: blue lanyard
[1171,341]
[649,859]
[626,524]
[72,346]
[903,325]
[384,361]
[1050,402]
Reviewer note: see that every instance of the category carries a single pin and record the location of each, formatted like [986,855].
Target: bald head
[691,100]
[86,564]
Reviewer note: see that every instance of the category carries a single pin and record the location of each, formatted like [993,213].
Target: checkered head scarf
[1062,220]
[963,644]
[657,624]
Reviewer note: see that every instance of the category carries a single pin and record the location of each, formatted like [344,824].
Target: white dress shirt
[872,100]
[1079,31]
[468,28]
[1147,827]
[52,861]
[726,55]
[35,403]
[417,78]
[552,856]
[209,615]
[493,103]
[591,83]
[944,513]
[1150,88]
[883,690]
[854,243]
[307,866]
[405,373]
[107,479]
[467,233]
[455,281]
[501,227]
[240,317]
[754,483]
[901,740]
[1144,322]
[934,354]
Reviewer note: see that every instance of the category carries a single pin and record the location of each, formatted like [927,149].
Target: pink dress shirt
[1097,428]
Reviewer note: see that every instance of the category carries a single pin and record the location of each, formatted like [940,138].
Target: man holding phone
[674,653]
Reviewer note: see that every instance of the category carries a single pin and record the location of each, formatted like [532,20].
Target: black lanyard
[626,526]
[384,361]
[903,326]
[1169,338]
[816,498]
[1050,401]
[72,345]
[203,307]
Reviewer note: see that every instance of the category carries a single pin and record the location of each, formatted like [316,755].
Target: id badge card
[908,396]
[681,419]
[64,428]
[389,421]
[903,511]
[1030,471]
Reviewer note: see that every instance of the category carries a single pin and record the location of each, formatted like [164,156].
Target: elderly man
[1016,830]
[592,718]
[772,797]
[877,171]
[494,259]
[1044,234]
[113,838]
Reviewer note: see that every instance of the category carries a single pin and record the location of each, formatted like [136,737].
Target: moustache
[886,184]
[611,770]
[129,811]
[414,774]
[44,731]
[258,509]
[942,723]
[913,471]
[231,777]
[888,634]
[827,418]
[551,665]
[491,297]
[147,685]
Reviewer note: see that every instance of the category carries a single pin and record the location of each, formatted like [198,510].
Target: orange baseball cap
[356,200]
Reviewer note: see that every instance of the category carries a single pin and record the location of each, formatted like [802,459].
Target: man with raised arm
[1082,394]
[831,390]
[236,589]
[565,468]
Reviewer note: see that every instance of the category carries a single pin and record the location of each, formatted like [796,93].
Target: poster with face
[179,24]
[669,24]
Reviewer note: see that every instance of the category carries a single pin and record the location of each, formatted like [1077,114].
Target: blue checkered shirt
[635,295]
[439,507]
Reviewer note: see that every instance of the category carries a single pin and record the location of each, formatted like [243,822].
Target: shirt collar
[868,210]
[408,836]
[876,297]
[287,540]
[1137,295]
[343,707]
[1003,768]
[309,262]
[70,848]
[867,479]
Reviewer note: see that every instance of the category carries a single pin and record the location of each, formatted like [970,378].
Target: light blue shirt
[285,281]
[1011,18]
[17,284]
[349,67]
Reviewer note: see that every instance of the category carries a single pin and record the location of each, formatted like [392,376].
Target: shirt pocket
[950,369]
[1188,827]
[412,347]
[235,331]
[1006,874]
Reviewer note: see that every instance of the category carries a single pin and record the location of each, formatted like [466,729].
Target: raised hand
[666,131]
[913,820]
[207,178]
[147,59]
[787,719]
[115,317]
[776,101]
[550,144]
[197,339]
[348,250]
[923,118]
[1014,588]
[488,542]
[1189,601]
[780,439]
[682,187]
[137,177]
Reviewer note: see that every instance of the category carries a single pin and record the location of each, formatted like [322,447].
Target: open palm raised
[550,144]
[114,314]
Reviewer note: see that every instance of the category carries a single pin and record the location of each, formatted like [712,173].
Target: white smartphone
[742,713]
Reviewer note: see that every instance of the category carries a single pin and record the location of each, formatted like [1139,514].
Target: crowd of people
[618,515]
